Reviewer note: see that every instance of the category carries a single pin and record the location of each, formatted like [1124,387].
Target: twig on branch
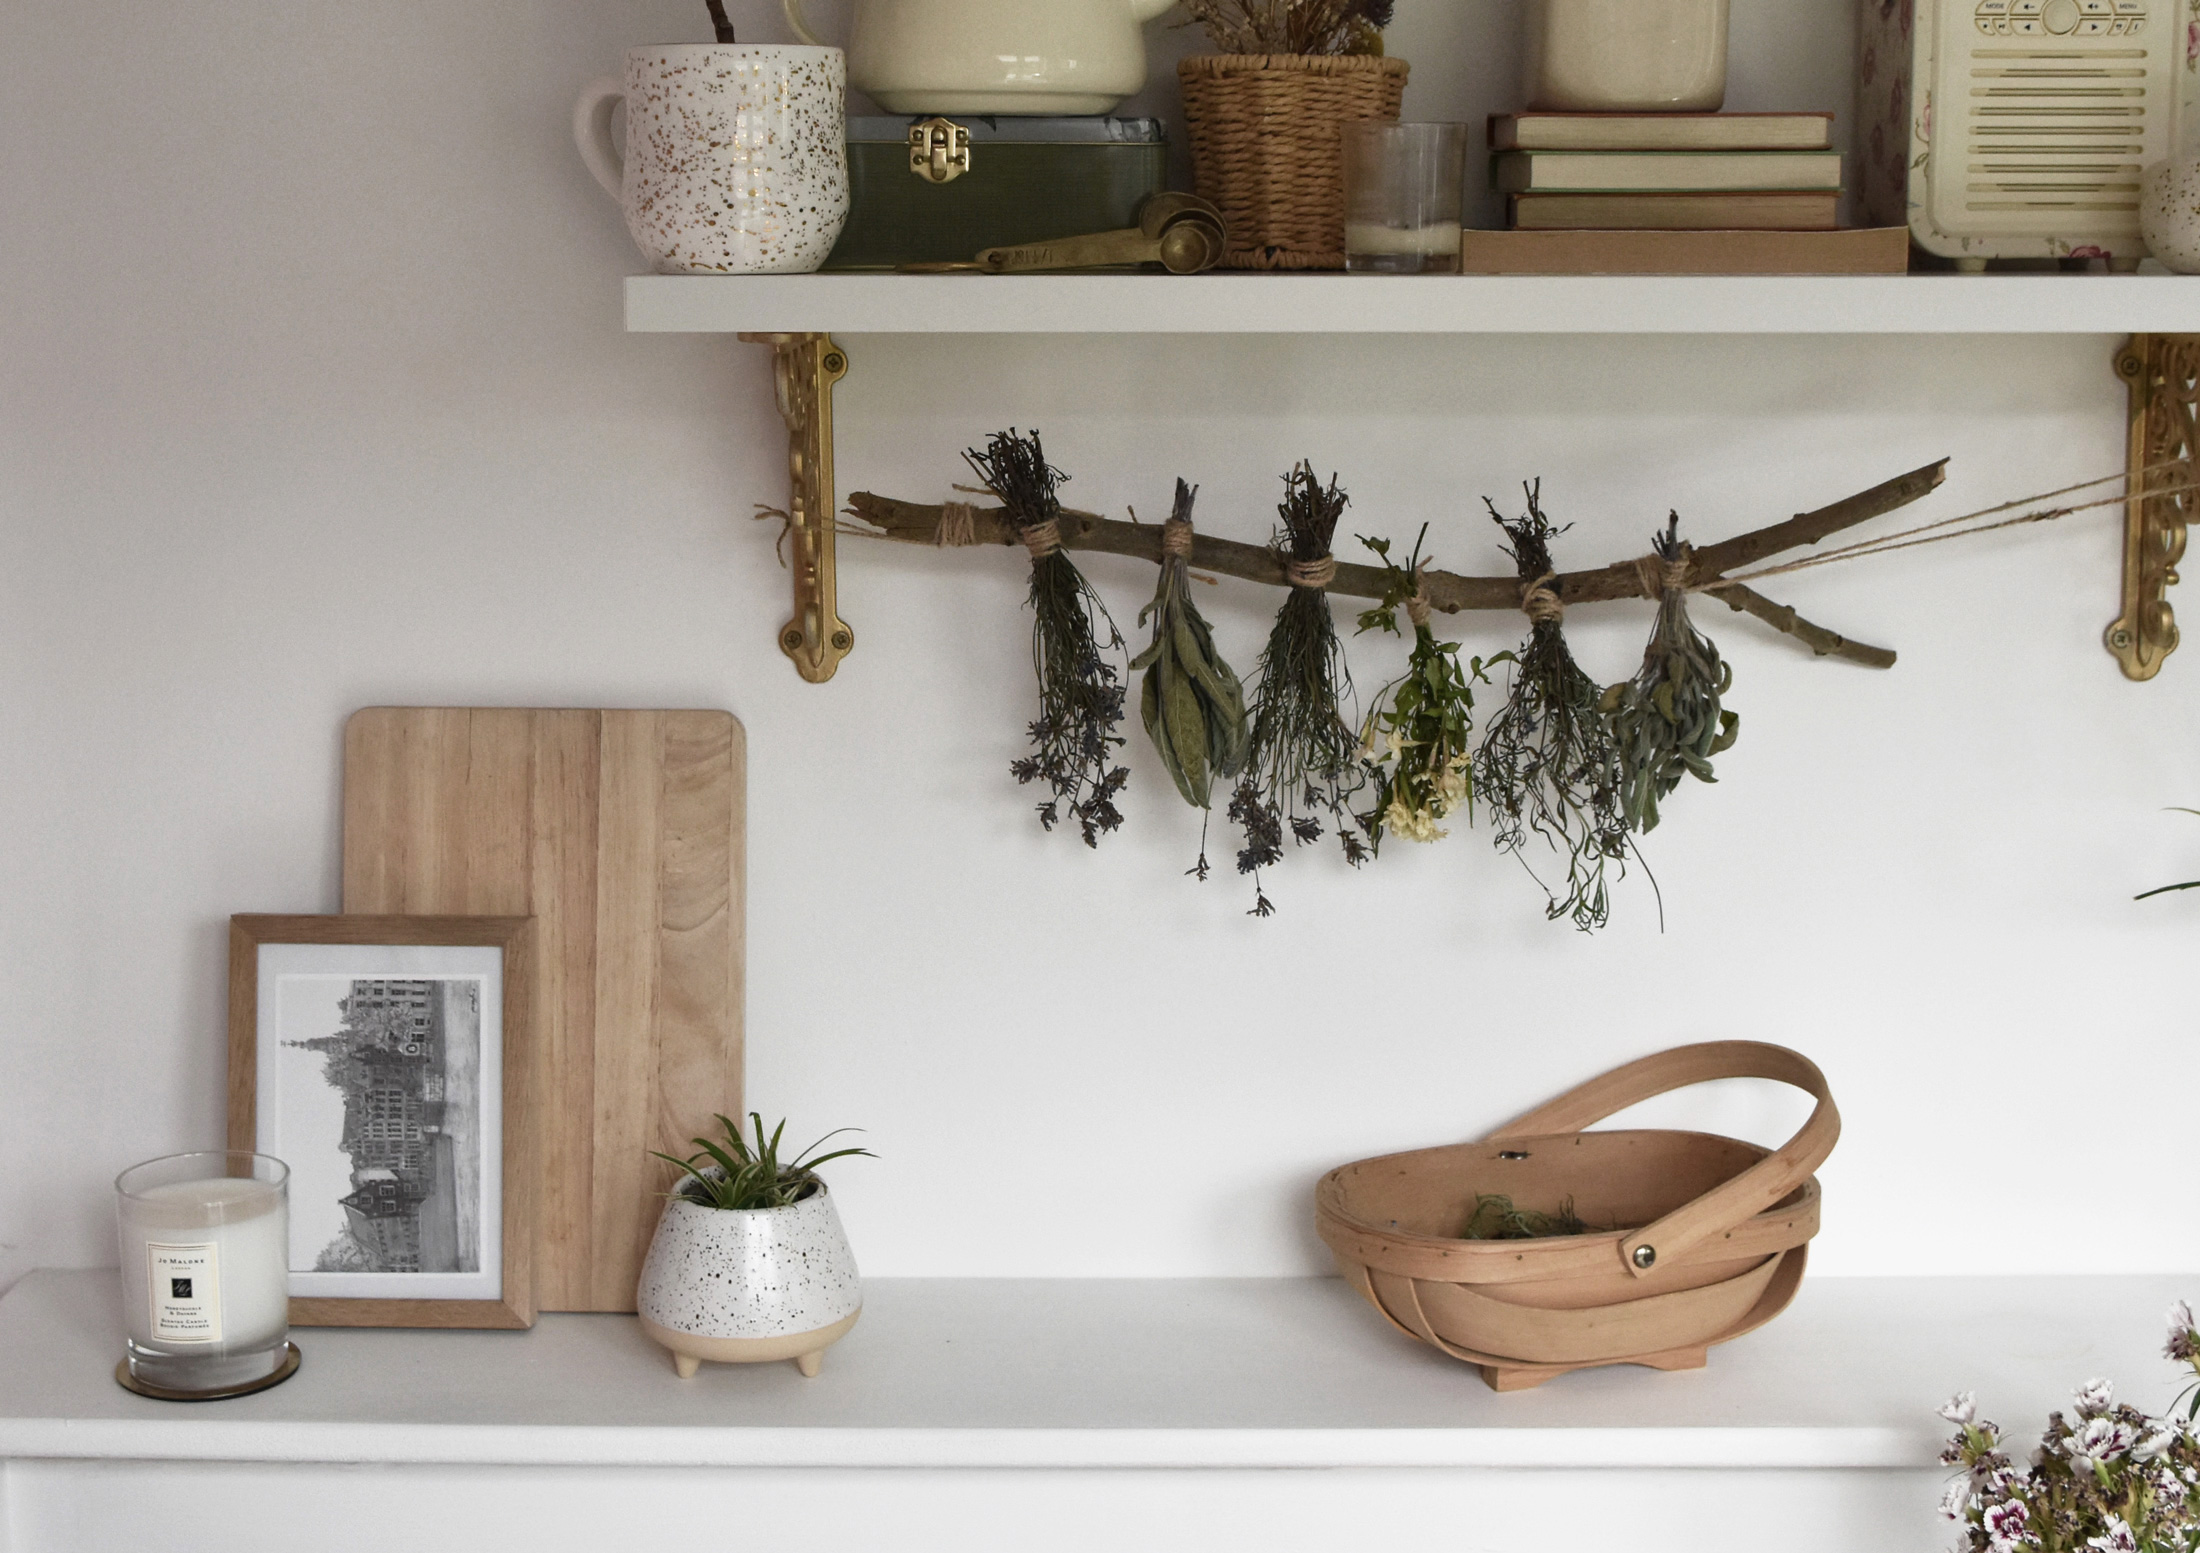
[916,523]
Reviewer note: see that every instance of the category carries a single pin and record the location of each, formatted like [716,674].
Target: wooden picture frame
[424,1026]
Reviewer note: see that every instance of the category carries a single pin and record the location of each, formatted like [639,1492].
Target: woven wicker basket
[1719,1251]
[1266,149]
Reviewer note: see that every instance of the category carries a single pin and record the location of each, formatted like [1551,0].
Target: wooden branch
[916,523]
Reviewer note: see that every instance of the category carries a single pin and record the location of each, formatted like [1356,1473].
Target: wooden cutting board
[622,833]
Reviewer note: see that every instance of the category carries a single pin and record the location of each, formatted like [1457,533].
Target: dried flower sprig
[2109,1479]
[1303,759]
[1193,705]
[1293,26]
[1496,1218]
[1548,766]
[1415,740]
[1080,694]
[1669,719]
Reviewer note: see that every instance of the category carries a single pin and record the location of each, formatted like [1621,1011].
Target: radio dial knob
[2060,16]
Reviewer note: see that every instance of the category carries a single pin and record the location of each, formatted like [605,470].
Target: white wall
[316,396]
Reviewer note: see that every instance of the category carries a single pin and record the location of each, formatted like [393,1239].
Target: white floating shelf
[1365,304]
[1108,1374]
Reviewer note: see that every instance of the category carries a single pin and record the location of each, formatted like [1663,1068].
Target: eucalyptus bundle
[1080,694]
[1303,759]
[1414,742]
[1668,720]
[1548,765]
[1194,706]
[1293,26]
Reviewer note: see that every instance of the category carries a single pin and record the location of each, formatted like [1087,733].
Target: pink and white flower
[2100,1442]
[1961,1408]
[2117,1539]
[2005,1525]
[2094,1397]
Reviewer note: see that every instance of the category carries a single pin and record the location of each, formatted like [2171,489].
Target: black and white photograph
[388,1076]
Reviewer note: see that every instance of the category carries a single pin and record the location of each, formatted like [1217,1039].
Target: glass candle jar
[1402,195]
[205,1271]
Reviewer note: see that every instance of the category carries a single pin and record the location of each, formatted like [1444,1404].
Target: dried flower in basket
[1303,760]
[2106,1479]
[1293,26]
[1080,694]
[1669,720]
[1547,765]
[1495,1217]
[1192,702]
[1415,740]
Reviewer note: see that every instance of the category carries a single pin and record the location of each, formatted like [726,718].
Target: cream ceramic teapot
[995,56]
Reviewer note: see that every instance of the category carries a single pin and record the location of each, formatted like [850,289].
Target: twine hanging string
[1657,576]
[1176,539]
[1951,528]
[958,526]
[1540,603]
[1041,539]
[1316,575]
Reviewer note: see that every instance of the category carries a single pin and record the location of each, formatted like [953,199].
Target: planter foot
[810,1363]
[687,1364]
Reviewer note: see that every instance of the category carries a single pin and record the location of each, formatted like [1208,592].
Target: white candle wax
[206,1268]
[1373,237]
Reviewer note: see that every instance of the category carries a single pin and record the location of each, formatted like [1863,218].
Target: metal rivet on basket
[1512,1154]
[1646,1257]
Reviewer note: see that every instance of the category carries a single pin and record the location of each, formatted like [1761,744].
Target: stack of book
[1718,193]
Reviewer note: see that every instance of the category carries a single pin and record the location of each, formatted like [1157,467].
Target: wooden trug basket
[1722,1227]
[1266,148]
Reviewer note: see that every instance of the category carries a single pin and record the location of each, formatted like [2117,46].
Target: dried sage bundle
[1548,765]
[1303,759]
[1415,740]
[1668,720]
[1194,706]
[1080,694]
[1293,26]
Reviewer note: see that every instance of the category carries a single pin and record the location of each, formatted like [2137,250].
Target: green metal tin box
[931,191]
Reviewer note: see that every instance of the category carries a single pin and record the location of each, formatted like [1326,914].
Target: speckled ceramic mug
[736,155]
[749,1286]
[2169,214]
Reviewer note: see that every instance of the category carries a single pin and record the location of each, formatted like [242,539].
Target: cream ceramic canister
[995,56]
[749,1285]
[1625,56]
[2169,214]
[736,156]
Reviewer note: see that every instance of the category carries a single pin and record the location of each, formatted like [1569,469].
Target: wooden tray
[622,833]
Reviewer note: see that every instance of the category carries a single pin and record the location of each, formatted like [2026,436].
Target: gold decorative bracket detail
[2162,372]
[805,367]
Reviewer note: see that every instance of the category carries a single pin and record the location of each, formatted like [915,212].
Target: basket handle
[1731,1202]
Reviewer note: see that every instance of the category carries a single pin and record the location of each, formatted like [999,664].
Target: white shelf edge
[857,304]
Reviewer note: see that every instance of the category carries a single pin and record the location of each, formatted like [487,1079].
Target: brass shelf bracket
[2162,454]
[805,367]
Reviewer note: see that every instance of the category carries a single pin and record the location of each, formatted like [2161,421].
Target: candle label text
[186,1287]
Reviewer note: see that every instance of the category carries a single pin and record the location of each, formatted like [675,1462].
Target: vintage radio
[2006,129]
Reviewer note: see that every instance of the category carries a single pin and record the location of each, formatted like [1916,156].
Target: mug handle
[592,131]
[801,27]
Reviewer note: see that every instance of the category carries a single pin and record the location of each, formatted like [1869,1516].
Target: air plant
[1080,694]
[1548,765]
[1293,26]
[1414,742]
[1668,720]
[1303,760]
[734,1175]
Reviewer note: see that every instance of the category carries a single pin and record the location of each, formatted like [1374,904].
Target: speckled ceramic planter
[749,1286]
[736,156]
[2169,214]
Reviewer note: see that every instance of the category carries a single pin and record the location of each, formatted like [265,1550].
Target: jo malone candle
[205,1272]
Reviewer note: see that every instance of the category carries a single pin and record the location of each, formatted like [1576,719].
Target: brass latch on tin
[939,150]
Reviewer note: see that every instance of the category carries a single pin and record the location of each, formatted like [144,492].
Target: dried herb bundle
[1548,764]
[1667,720]
[1414,742]
[1495,1218]
[1293,26]
[1303,760]
[1080,694]
[1193,704]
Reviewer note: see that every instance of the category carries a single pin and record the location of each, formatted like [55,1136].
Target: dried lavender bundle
[1547,765]
[1668,721]
[1303,760]
[1080,693]
[1293,26]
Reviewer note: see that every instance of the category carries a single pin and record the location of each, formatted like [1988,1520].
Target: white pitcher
[995,56]
[736,155]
